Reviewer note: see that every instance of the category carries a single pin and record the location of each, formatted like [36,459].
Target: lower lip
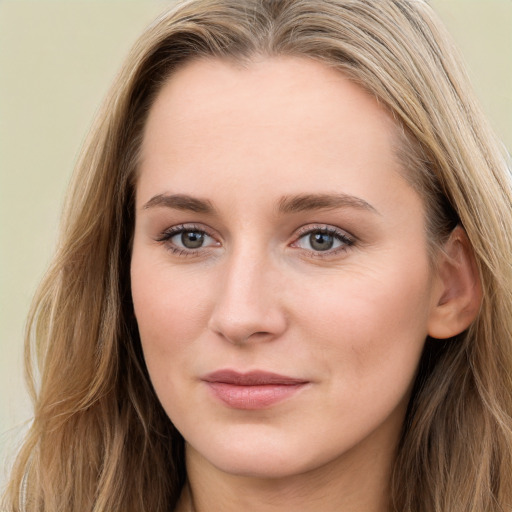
[253,397]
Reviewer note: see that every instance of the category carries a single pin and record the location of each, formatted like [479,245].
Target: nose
[248,303]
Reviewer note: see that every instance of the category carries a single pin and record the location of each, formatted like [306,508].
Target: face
[280,275]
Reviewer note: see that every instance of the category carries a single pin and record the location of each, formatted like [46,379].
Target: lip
[252,390]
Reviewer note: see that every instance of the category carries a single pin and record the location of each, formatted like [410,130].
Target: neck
[349,486]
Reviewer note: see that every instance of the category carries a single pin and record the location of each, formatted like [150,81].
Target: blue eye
[324,240]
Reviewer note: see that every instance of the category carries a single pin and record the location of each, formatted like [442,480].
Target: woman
[284,279]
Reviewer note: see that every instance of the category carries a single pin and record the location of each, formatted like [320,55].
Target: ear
[458,290]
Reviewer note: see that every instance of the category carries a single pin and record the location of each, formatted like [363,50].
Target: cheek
[371,328]
[171,309]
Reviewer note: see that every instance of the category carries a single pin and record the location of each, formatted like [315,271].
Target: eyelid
[315,226]
[178,228]
[348,240]
[166,235]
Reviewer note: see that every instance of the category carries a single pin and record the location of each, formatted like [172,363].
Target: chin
[258,456]
[261,466]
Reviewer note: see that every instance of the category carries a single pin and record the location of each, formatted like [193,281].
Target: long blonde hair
[100,440]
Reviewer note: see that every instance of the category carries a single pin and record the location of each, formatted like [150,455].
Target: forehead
[286,121]
[268,91]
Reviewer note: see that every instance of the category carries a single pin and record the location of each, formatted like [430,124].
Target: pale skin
[241,168]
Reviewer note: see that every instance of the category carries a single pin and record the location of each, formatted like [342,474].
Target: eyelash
[341,236]
[166,236]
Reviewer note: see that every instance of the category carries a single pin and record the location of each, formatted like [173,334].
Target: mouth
[252,390]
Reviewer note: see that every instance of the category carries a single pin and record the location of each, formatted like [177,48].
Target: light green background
[57,59]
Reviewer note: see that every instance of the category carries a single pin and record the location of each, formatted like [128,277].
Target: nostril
[239,332]
[240,338]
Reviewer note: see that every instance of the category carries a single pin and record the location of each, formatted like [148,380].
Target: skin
[350,321]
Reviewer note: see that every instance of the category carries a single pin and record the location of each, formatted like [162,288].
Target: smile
[253,390]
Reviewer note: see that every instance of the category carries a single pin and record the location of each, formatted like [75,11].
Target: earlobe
[458,293]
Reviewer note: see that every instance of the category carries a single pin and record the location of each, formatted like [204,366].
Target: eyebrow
[180,202]
[286,205]
[304,202]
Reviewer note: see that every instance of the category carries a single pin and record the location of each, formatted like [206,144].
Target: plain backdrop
[57,59]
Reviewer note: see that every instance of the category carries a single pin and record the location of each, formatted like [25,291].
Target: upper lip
[252,378]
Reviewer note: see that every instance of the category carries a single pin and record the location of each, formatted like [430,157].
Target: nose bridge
[248,299]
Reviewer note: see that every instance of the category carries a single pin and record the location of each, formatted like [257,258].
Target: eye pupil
[321,241]
[192,239]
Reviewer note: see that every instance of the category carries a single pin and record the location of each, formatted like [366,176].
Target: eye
[323,240]
[186,239]
[190,239]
